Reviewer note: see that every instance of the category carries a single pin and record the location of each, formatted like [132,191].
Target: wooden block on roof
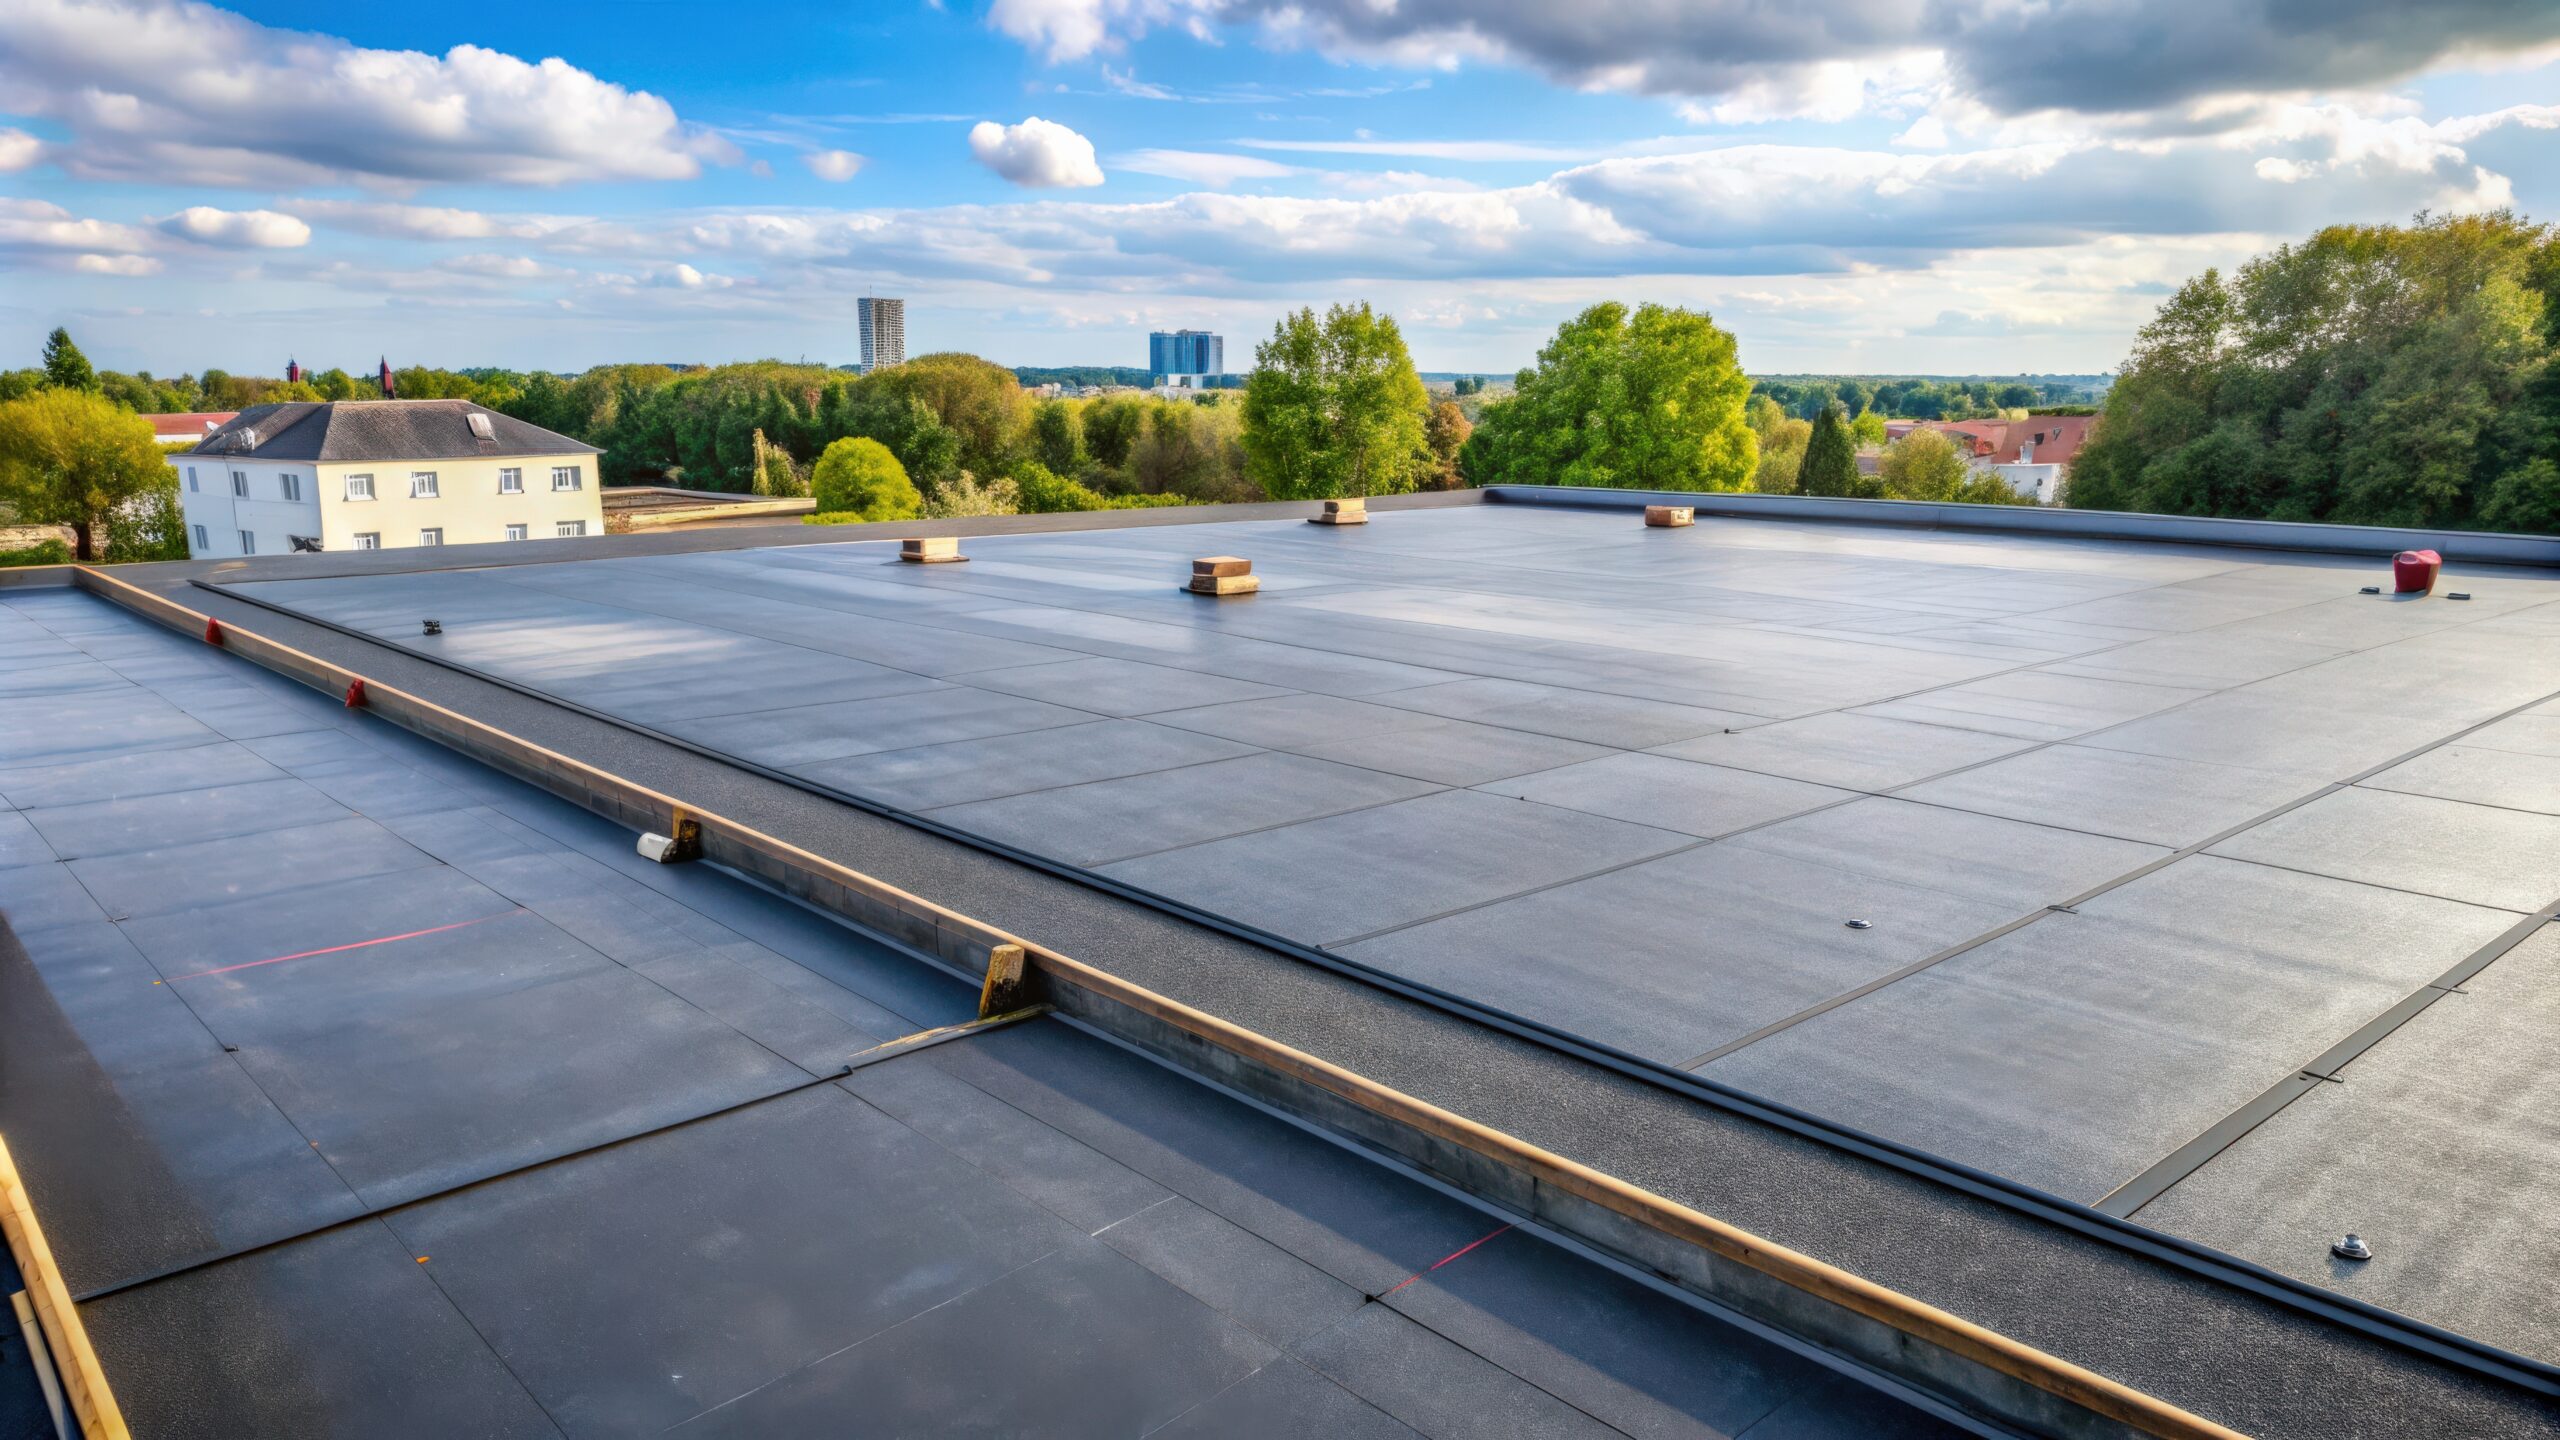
[931,550]
[1221,565]
[1224,584]
[1667,516]
[1342,512]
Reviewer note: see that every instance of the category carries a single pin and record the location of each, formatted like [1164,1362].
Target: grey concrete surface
[1933,721]
[526,1136]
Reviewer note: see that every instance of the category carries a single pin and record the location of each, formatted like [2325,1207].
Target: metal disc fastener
[431,627]
[2351,1248]
[1862,925]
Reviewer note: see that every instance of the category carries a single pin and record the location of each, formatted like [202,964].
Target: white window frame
[511,480]
[368,539]
[519,532]
[291,485]
[432,535]
[360,487]
[423,486]
[248,542]
[204,542]
[566,477]
[569,530]
[239,484]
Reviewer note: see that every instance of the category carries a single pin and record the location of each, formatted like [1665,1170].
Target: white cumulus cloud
[18,150]
[429,222]
[685,277]
[122,265]
[1042,154]
[836,165]
[237,229]
[43,225]
[1072,29]
[166,89]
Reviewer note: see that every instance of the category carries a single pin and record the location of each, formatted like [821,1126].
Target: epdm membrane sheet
[1936,734]
[191,1064]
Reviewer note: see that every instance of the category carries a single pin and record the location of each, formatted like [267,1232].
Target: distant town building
[884,332]
[2034,455]
[189,426]
[1176,355]
[381,475]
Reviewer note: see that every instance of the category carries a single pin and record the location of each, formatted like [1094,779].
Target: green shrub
[45,552]
[858,478]
[1040,490]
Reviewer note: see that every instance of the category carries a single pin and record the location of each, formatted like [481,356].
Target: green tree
[776,476]
[1112,425]
[150,526]
[1038,490]
[1193,451]
[1831,457]
[1652,399]
[1927,465]
[2403,375]
[981,402]
[856,478]
[336,384]
[966,497]
[1868,430]
[1334,408]
[70,457]
[1781,455]
[1057,435]
[2527,500]
[65,368]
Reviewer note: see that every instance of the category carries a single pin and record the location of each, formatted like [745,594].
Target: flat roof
[363,1090]
[2166,855]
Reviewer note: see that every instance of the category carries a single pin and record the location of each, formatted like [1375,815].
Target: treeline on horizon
[2370,375]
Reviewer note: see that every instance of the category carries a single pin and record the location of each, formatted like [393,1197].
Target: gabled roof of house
[2057,438]
[190,422]
[361,430]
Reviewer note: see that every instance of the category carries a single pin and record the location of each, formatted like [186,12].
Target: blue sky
[2001,188]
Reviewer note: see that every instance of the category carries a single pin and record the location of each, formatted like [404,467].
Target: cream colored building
[382,475]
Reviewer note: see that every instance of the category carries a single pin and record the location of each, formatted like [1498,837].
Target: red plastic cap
[2413,572]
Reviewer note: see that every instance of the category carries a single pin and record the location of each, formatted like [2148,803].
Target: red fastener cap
[2413,572]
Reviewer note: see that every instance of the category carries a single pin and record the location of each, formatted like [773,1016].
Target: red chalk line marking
[1443,1260]
[378,940]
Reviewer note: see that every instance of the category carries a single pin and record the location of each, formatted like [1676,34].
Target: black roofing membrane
[364,1091]
[1634,784]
